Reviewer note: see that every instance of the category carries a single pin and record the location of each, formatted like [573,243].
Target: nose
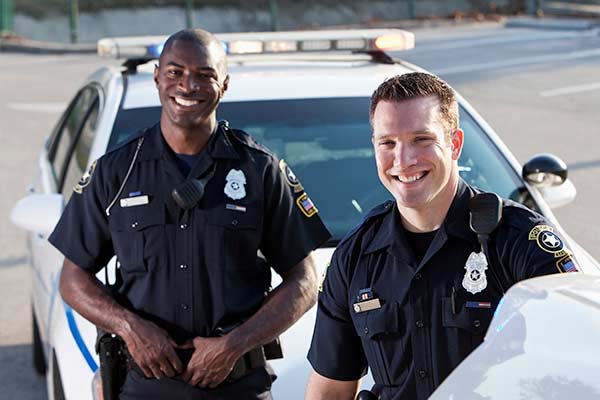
[189,83]
[404,155]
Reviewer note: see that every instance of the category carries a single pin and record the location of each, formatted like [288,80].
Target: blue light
[155,50]
[225,47]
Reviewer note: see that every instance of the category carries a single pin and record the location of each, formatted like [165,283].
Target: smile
[411,178]
[185,103]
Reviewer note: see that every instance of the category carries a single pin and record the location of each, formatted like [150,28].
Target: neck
[432,216]
[184,140]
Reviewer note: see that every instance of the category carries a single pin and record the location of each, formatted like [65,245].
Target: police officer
[196,213]
[409,293]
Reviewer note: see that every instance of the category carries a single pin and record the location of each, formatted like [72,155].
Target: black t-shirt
[419,242]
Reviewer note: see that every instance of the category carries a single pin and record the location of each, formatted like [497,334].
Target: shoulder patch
[306,205]
[85,179]
[290,177]
[548,241]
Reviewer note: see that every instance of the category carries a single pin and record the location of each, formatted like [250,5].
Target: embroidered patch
[306,205]
[234,187]
[85,179]
[290,177]
[567,264]
[548,241]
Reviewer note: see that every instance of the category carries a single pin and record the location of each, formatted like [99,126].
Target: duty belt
[253,359]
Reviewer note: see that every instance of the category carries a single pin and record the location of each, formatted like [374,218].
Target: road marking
[46,108]
[547,58]
[435,45]
[571,89]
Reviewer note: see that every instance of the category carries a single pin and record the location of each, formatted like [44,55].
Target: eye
[173,72]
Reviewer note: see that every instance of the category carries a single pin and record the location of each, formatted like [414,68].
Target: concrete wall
[146,21]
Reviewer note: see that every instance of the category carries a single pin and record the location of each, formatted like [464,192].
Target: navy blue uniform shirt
[193,271]
[426,321]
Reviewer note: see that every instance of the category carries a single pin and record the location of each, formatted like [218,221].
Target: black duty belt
[253,359]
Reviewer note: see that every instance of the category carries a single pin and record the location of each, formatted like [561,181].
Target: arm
[150,346]
[322,388]
[214,357]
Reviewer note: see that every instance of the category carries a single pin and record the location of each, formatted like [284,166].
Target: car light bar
[272,42]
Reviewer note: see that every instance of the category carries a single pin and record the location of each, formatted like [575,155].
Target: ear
[225,85]
[456,143]
[156,70]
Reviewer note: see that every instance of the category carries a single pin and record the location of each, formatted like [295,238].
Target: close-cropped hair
[419,84]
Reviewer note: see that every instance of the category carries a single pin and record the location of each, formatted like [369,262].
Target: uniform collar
[219,145]
[390,233]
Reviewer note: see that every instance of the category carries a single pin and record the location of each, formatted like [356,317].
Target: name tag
[368,305]
[134,201]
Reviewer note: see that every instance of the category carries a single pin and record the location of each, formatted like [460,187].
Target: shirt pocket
[232,242]
[138,237]
[465,327]
[384,336]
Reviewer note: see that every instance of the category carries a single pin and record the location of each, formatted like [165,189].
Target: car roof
[270,78]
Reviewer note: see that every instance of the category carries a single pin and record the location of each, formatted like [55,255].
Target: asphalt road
[540,90]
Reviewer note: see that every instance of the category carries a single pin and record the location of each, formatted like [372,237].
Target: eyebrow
[414,133]
[173,63]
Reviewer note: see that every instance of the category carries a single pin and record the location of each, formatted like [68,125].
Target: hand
[211,362]
[152,349]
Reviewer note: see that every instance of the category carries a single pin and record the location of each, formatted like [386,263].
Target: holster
[112,364]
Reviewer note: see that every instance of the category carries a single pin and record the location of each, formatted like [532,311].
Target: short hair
[202,38]
[419,84]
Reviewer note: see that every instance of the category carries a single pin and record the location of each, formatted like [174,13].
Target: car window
[78,121]
[327,143]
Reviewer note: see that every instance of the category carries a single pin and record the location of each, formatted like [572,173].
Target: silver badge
[475,280]
[234,188]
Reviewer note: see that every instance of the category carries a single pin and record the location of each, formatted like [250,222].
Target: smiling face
[416,160]
[191,80]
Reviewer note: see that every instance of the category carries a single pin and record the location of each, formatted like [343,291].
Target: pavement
[18,44]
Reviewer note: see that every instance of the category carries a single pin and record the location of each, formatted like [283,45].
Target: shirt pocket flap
[232,219]
[474,320]
[133,221]
[381,321]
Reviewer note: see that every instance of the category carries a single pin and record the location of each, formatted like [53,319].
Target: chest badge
[475,280]
[234,187]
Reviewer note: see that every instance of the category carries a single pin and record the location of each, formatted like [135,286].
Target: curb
[553,23]
[21,45]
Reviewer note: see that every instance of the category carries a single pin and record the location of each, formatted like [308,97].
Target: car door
[61,165]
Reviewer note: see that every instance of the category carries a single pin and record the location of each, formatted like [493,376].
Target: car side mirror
[38,212]
[545,170]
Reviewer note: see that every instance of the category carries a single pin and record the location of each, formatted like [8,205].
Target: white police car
[305,95]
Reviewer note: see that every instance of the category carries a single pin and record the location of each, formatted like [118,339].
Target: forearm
[82,291]
[284,306]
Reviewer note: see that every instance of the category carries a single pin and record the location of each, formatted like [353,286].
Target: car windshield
[327,143]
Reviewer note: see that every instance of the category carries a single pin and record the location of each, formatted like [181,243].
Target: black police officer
[409,293]
[194,275]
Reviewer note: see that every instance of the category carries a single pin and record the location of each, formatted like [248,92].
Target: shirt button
[183,266]
[135,224]
[419,324]
[422,374]
[183,226]
[418,276]
[234,222]
[476,323]
[366,330]
[184,306]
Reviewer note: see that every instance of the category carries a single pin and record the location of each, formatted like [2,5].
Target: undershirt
[419,242]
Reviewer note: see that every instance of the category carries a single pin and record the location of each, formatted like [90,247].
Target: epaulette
[375,212]
[133,138]
[248,141]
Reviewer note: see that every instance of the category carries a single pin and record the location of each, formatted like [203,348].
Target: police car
[305,95]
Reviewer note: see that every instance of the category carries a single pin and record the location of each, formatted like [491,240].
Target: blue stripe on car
[78,339]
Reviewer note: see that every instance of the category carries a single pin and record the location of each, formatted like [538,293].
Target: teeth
[187,103]
[409,179]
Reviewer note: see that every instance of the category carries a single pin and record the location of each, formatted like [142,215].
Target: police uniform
[411,321]
[191,272]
